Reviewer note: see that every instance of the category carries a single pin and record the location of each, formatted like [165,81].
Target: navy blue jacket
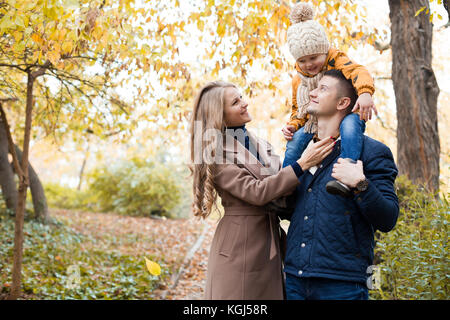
[333,237]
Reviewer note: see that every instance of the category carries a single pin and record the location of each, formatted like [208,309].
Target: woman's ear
[343,103]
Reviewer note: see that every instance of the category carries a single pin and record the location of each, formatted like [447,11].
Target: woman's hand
[315,153]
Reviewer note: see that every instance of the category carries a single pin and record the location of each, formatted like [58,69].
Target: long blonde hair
[208,113]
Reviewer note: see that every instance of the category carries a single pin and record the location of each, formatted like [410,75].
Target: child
[309,45]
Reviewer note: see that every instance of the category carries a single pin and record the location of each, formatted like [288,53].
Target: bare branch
[12,66]
[39,72]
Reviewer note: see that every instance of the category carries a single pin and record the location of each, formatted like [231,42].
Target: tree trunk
[416,92]
[23,185]
[37,192]
[83,166]
[7,182]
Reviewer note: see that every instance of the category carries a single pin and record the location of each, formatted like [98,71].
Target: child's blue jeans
[352,136]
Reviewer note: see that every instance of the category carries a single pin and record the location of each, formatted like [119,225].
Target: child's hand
[288,131]
[365,106]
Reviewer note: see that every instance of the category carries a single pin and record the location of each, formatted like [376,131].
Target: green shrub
[137,187]
[69,198]
[414,257]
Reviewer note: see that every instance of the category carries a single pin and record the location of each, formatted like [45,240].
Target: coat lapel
[270,161]
[235,152]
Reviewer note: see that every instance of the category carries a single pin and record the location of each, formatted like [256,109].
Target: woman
[245,258]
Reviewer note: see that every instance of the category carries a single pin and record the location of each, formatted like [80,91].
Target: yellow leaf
[221,30]
[17,36]
[67,47]
[36,38]
[419,11]
[200,25]
[153,267]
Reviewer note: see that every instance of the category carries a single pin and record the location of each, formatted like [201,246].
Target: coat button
[306,218]
[300,272]
[303,245]
[309,190]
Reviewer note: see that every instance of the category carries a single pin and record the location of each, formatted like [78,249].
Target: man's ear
[343,103]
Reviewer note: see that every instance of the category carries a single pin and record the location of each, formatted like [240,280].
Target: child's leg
[296,146]
[352,136]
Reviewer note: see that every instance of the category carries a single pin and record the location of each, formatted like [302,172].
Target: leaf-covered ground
[109,250]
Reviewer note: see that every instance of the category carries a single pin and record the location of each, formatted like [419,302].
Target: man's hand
[348,173]
[365,105]
[288,131]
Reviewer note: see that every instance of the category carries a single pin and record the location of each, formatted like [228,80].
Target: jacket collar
[327,161]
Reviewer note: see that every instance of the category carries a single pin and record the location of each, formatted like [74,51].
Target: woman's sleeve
[240,183]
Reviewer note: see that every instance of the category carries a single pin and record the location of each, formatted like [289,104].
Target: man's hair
[345,89]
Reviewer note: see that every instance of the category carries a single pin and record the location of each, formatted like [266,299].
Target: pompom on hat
[305,36]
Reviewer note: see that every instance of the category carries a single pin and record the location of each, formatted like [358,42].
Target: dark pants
[324,289]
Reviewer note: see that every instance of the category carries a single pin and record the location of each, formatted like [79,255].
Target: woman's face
[235,111]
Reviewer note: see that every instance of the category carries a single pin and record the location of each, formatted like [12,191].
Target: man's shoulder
[374,148]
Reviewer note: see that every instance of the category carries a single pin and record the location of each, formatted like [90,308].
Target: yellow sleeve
[360,77]
[293,120]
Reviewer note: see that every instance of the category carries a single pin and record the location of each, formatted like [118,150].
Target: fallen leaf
[153,267]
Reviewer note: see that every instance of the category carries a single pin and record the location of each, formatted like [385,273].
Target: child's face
[312,64]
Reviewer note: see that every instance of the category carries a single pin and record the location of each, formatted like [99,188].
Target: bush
[414,257]
[69,198]
[137,187]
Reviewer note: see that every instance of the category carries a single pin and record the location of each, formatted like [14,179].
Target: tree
[62,40]
[416,92]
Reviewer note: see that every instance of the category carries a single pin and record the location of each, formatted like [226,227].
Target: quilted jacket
[333,237]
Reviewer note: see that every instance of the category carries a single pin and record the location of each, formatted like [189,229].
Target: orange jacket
[336,59]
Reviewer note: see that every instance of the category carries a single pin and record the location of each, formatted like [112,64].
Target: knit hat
[305,36]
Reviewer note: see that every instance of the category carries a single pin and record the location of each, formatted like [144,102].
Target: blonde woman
[229,161]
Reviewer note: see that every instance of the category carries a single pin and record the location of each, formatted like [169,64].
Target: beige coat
[245,258]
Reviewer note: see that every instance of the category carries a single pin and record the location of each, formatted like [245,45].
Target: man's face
[324,99]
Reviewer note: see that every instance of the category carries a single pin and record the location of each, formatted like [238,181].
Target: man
[331,238]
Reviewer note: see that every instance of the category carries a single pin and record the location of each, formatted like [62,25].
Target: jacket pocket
[229,239]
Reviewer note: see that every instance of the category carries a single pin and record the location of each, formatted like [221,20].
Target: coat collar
[327,161]
[237,153]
